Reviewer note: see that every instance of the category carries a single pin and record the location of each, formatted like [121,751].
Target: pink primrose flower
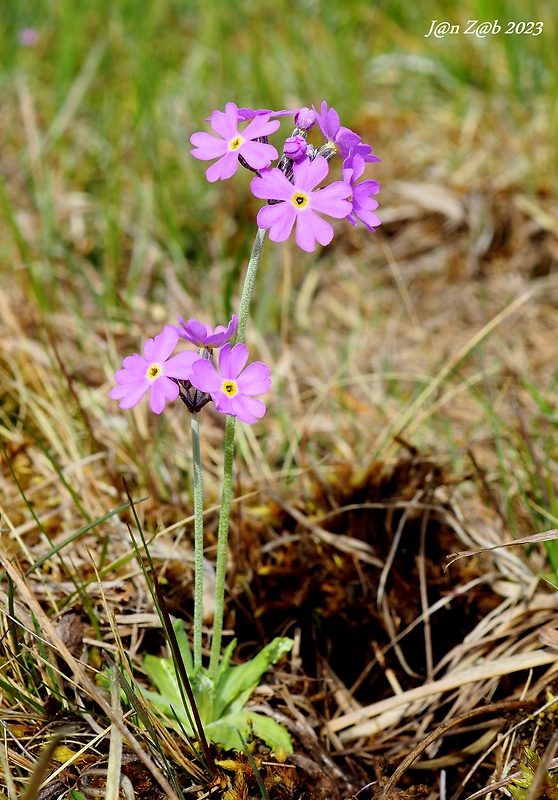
[298,202]
[154,372]
[233,389]
[230,143]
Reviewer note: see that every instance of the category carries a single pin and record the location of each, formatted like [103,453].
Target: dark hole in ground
[331,595]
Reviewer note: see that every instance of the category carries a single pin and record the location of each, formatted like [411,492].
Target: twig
[492,708]
[489,669]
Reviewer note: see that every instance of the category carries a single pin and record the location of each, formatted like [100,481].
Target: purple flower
[363,204]
[154,372]
[328,121]
[245,114]
[300,203]
[305,118]
[343,138]
[233,143]
[295,148]
[233,390]
[203,336]
[28,37]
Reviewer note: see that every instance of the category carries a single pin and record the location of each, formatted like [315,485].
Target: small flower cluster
[192,375]
[291,187]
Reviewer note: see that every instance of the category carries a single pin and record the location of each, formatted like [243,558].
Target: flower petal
[258,154]
[207,146]
[345,138]
[223,403]
[224,168]
[221,334]
[328,121]
[311,228]
[232,361]
[255,379]
[205,376]
[226,124]
[160,348]
[247,409]
[279,219]
[135,368]
[367,218]
[162,390]
[272,185]
[332,200]
[180,365]
[260,126]
[308,174]
[130,394]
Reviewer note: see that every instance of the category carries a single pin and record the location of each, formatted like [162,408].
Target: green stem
[226,495]
[249,281]
[198,540]
[222,542]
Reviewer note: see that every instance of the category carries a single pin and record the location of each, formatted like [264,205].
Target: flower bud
[305,118]
[295,148]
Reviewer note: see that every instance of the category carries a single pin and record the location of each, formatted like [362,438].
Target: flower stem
[222,541]
[249,281]
[198,540]
[224,514]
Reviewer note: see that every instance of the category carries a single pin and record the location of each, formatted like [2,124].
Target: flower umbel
[154,372]
[233,143]
[202,335]
[300,203]
[233,389]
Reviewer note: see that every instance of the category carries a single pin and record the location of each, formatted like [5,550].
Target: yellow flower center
[154,371]
[230,388]
[235,143]
[299,200]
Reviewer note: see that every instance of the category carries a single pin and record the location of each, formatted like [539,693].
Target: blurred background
[99,99]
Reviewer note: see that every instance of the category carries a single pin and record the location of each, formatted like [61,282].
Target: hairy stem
[226,496]
[198,540]
[249,281]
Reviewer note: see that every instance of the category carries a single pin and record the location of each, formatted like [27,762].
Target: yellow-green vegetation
[548,785]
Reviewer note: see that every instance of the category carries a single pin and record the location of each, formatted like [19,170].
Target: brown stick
[504,705]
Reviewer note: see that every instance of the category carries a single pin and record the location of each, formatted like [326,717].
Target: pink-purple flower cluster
[293,188]
[192,375]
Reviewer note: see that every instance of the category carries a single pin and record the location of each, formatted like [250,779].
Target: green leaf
[226,660]
[236,684]
[225,731]
[162,674]
[204,694]
[184,646]
[221,708]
